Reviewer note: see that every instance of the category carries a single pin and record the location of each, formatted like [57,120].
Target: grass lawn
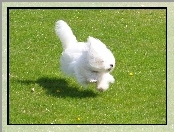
[41,94]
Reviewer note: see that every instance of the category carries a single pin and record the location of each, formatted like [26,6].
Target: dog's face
[100,57]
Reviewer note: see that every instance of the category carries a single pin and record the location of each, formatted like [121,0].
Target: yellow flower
[78,119]
[131,74]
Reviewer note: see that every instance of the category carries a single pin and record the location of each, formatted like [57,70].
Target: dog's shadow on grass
[60,88]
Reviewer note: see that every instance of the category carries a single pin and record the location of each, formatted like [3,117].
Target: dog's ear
[91,39]
[92,48]
[94,42]
[95,45]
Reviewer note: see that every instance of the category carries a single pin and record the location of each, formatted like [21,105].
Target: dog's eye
[97,60]
[92,57]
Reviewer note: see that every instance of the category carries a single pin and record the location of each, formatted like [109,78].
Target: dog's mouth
[109,69]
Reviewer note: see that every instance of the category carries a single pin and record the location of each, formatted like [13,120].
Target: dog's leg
[110,78]
[80,78]
[92,76]
[82,81]
[104,80]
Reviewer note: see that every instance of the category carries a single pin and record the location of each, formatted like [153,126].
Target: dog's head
[100,58]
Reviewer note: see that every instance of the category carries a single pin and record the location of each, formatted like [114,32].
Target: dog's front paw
[111,79]
[102,87]
[108,78]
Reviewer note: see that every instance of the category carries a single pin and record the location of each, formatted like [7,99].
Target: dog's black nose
[111,65]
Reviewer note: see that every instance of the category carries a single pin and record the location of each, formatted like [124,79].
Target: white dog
[89,61]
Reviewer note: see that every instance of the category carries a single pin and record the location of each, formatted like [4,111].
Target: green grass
[138,41]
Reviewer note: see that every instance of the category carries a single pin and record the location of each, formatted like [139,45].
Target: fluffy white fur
[89,61]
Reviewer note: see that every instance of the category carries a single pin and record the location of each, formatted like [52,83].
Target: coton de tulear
[89,61]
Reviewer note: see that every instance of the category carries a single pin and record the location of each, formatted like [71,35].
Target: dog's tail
[64,33]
